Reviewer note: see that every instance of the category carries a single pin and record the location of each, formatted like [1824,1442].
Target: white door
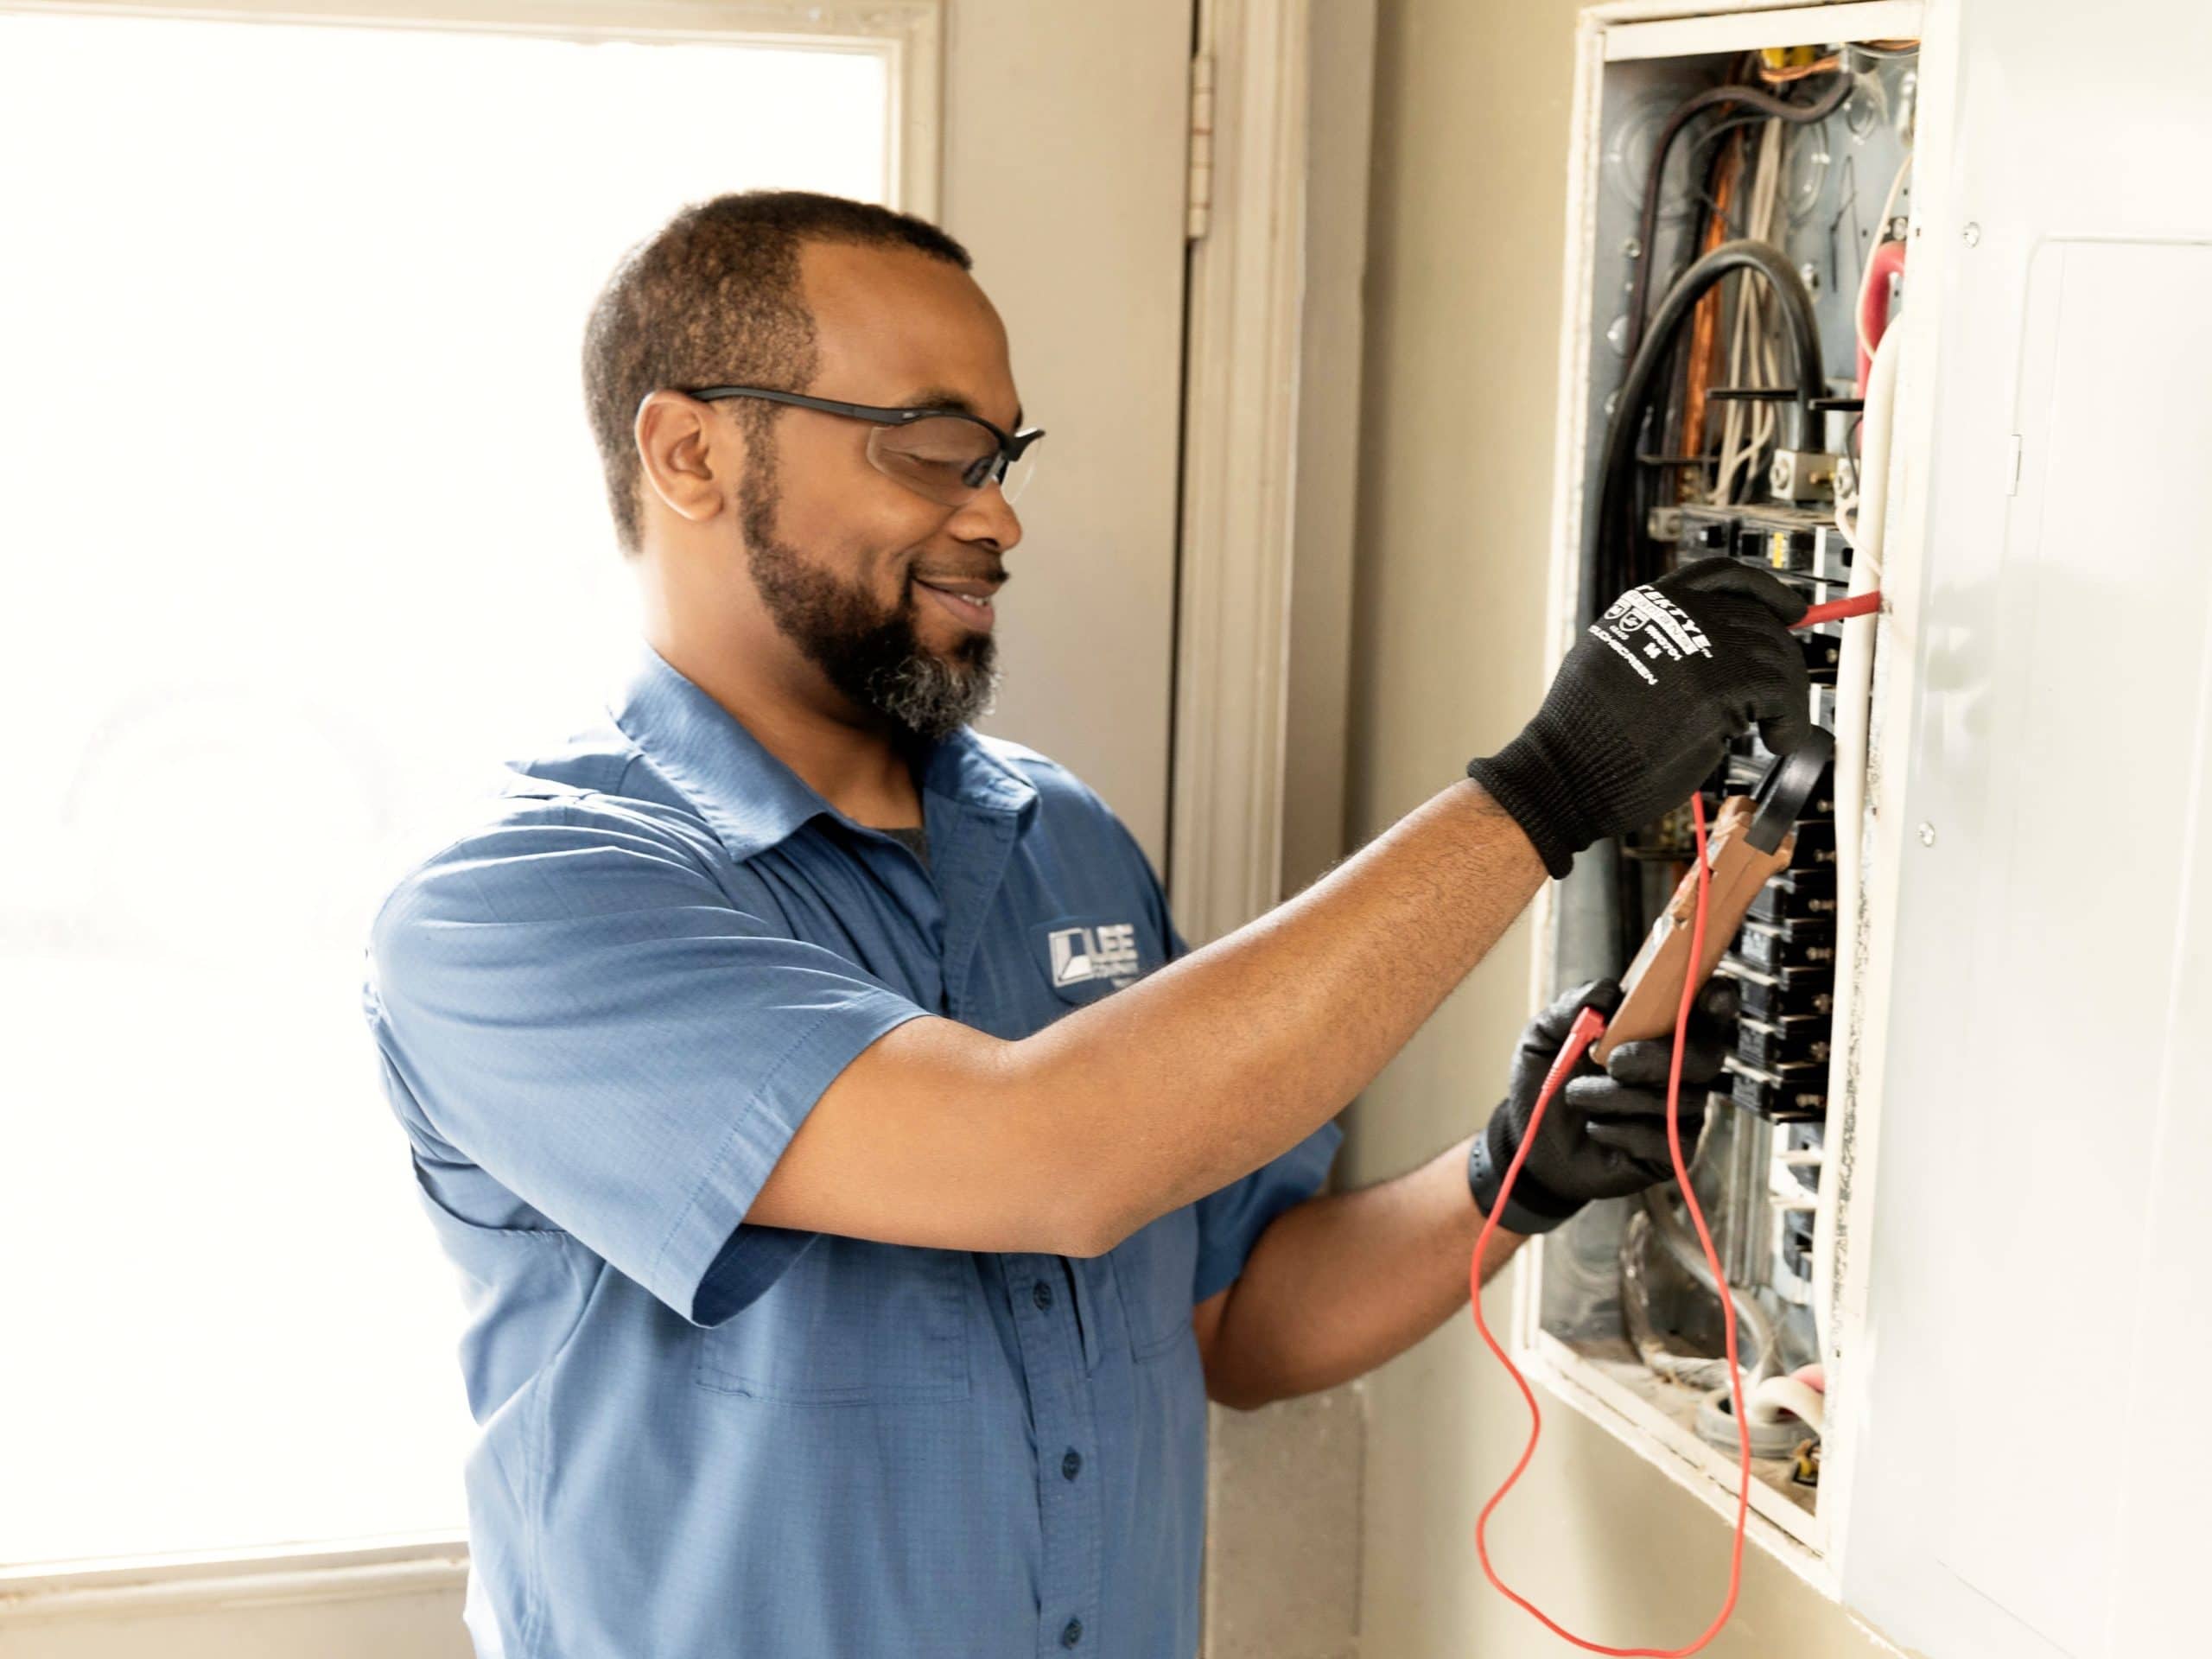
[233,209]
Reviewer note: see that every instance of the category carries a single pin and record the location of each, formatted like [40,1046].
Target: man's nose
[987,517]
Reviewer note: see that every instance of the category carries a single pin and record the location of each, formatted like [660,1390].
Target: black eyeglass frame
[1010,444]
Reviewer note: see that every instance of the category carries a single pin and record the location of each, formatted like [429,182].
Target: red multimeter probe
[1589,1026]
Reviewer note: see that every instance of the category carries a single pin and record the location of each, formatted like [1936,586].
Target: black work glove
[1640,708]
[1604,1134]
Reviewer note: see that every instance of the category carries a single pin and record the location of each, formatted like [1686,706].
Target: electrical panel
[1744,188]
[1954,1168]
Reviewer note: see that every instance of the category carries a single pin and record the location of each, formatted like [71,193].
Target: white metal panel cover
[2028,1486]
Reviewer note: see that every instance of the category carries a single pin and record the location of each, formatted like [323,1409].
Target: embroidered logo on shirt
[1087,953]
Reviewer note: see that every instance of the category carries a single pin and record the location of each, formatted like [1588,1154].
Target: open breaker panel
[1741,230]
[1960,1160]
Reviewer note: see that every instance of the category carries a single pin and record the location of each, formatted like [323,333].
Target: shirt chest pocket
[1155,1268]
[851,1322]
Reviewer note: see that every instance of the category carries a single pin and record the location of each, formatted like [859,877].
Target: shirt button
[1042,1296]
[1072,1465]
[1072,1633]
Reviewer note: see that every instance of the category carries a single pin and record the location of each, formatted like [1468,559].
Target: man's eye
[928,467]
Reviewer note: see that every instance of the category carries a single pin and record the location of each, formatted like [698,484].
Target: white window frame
[909,35]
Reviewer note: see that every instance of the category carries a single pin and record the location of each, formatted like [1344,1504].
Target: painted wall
[1467,225]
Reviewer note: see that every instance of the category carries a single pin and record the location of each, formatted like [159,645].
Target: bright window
[302,531]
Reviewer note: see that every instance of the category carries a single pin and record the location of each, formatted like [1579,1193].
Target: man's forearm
[1073,1138]
[1202,1072]
[1345,1282]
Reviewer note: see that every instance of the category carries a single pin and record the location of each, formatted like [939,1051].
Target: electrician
[860,1186]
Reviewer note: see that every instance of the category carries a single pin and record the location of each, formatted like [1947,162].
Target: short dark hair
[714,298]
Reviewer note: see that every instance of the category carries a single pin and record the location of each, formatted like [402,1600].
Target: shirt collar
[750,799]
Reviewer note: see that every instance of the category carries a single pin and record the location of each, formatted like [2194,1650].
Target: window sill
[172,1583]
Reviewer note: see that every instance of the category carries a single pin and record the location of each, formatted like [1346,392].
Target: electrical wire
[1712,97]
[1781,1397]
[1841,610]
[1607,551]
[1610,556]
[1853,717]
[1681,1247]
[1868,272]
[1747,431]
[1705,325]
[1819,66]
[1587,1027]
[1699,1371]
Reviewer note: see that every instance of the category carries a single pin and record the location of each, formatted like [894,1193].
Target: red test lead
[1587,1027]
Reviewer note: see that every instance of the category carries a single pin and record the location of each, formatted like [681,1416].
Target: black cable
[1617,474]
[1712,97]
[1709,136]
[1609,544]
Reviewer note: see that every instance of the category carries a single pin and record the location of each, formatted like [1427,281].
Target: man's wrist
[1528,787]
[1530,1208]
[1501,830]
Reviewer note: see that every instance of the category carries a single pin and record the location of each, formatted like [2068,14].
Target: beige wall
[1466,222]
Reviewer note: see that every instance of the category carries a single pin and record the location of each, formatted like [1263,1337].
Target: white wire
[1778,1397]
[1854,685]
[1745,434]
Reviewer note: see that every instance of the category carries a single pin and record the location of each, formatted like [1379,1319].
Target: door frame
[1251,99]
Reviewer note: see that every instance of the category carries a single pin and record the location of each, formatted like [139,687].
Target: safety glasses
[945,454]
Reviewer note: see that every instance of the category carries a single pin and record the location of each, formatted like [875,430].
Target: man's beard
[870,654]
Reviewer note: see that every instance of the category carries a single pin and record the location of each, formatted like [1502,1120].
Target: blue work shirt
[602,1015]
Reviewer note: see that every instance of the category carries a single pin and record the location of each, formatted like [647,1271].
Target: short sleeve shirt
[600,1015]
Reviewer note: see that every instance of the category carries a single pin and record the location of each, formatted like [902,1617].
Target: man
[859,1188]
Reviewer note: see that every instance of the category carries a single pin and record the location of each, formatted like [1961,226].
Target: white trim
[909,34]
[1240,471]
[1734,31]
[436,1564]
[1570,436]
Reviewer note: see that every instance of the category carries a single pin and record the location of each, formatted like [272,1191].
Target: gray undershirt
[916,840]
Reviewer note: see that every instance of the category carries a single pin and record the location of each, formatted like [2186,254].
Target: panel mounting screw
[1973,234]
[1928,834]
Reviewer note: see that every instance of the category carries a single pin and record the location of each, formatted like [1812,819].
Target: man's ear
[688,459]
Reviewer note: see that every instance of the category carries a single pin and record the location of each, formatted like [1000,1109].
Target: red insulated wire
[1886,261]
[1588,1025]
[1837,610]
